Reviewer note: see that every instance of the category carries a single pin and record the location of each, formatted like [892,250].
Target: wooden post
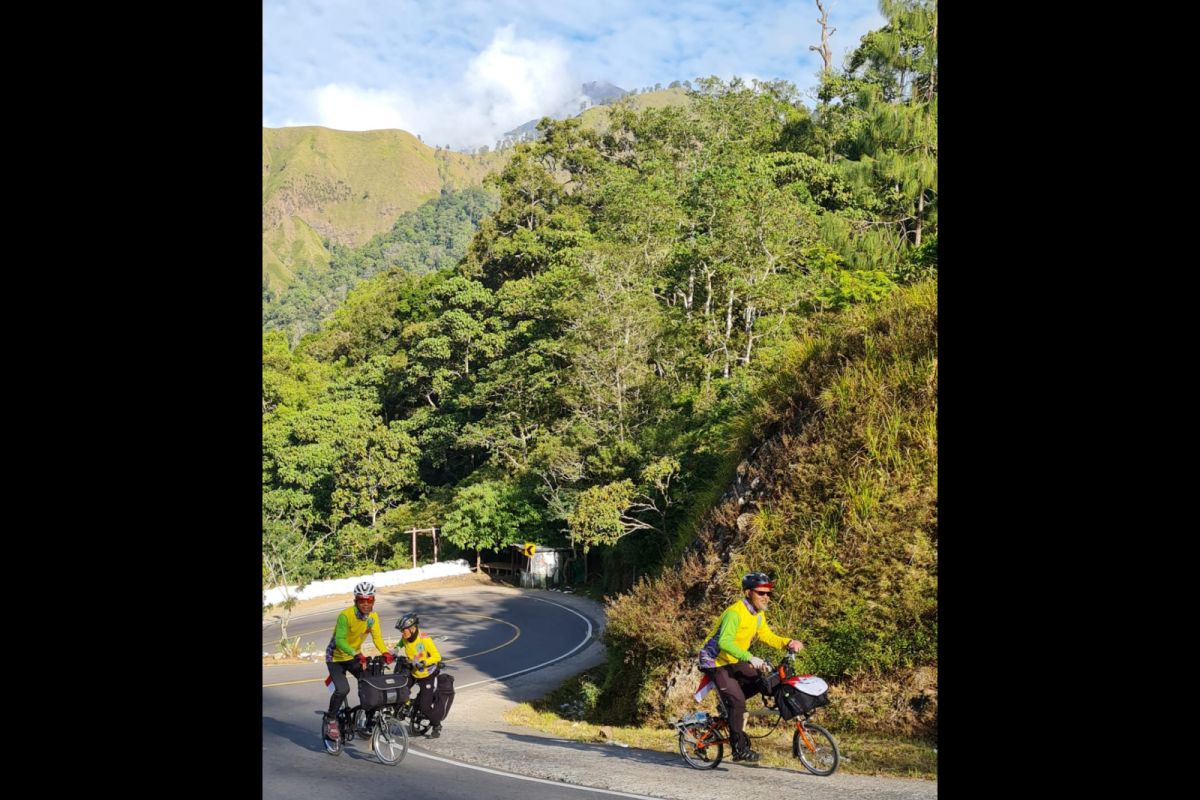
[414,532]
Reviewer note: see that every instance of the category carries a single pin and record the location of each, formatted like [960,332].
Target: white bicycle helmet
[364,589]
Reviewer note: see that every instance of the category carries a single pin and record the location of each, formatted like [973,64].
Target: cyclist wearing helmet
[424,659]
[726,660]
[344,653]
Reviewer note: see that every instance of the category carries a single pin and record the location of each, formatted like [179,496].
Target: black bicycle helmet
[757,580]
[410,618]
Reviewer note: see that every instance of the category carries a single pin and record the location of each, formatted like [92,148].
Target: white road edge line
[584,643]
[527,778]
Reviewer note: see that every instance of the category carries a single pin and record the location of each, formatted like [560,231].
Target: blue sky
[464,72]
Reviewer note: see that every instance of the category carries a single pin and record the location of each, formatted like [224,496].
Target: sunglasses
[370,599]
[761,594]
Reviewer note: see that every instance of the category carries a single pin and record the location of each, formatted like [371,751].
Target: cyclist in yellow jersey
[344,653]
[424,666]
[726,660]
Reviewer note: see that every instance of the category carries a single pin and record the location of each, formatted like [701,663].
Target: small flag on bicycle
[704,688]
[329,684]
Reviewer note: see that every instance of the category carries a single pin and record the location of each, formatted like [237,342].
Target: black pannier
[792,702]
[382,690]
[443,694]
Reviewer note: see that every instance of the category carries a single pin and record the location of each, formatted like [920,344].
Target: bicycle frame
[805,737]
[715,731]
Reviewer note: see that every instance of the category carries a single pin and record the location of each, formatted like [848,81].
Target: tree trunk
[920,216]
[933,67]
[728,329]
[826,32]
[749,332]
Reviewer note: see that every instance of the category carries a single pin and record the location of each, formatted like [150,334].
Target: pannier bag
[807,694]
[443,693]
[382,690]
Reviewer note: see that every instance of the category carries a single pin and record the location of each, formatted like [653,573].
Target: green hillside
[345,187]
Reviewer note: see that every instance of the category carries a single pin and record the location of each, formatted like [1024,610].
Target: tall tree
[488,516]
[826,32]
[899,141]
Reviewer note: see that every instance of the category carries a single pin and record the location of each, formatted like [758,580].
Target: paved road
[487,635]
[482,635]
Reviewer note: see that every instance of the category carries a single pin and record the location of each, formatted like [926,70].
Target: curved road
[483,637]
[506,646]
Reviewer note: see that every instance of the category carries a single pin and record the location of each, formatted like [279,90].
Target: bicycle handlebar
[789,659]
[374,664]
[404,661]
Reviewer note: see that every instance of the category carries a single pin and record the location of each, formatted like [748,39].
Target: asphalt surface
[503,646]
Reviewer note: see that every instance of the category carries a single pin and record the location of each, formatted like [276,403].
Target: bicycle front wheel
[816,749]
[697,754]
[389,740]
[332,746]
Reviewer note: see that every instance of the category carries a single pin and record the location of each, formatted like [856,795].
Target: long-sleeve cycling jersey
[349,632]
[735,630]
[421,649]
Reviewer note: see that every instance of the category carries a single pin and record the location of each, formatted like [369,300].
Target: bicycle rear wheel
[700,756]
[419,724]
[816,749]
[389,740]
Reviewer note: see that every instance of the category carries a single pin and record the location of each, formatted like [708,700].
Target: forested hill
[341,206]
[345,187]
[432,237]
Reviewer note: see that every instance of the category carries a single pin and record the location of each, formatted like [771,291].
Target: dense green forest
[432,237]
[740,286]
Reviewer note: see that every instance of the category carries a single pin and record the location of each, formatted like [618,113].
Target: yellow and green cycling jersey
[735,630]
[421,649]
[349,632]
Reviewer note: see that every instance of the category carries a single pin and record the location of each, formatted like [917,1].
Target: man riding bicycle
[424,666]
[344,653]
[726,661]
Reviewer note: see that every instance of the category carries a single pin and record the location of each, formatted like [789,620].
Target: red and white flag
[704,688]
[329,684]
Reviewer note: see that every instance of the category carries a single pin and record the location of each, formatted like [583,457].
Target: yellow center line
[516,636]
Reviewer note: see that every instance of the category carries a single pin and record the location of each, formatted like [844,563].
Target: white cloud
[351,108]
[463,73]
[512,81]
[515,80]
